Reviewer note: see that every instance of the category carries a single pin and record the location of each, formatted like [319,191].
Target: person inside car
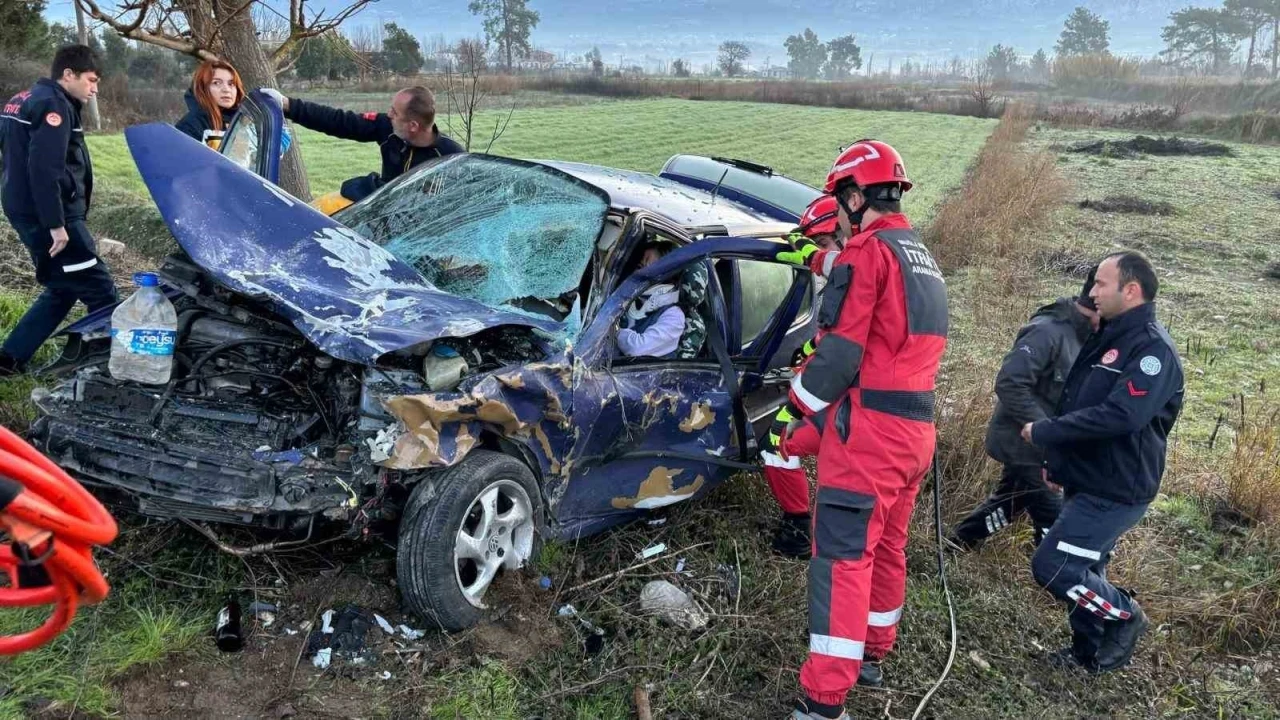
[653,324]
[407,136]
[212,100]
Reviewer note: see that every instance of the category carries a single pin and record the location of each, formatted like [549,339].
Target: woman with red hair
[214,97]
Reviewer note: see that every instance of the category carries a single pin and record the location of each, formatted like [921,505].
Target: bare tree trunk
[241,48]
[91,110]
[1248,64]
[1275,46]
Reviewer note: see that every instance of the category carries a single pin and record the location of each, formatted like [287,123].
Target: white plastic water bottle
[144,330]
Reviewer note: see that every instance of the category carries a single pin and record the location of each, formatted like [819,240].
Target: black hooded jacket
[197,123]
[1032,376]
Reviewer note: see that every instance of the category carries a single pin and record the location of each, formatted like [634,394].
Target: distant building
[773,72]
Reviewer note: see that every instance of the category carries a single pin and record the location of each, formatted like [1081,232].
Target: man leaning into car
[407,134]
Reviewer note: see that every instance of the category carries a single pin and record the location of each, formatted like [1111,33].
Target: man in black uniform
[408,135]
[1106,449]
[47,185]
[1027,389]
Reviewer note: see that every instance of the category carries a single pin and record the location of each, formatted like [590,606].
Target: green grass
[73,672]
[1210,256]
[642,135]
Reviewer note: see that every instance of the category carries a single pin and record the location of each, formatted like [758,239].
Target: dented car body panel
[353,299]
[309,358]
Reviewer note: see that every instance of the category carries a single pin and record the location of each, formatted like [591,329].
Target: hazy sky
[636,30]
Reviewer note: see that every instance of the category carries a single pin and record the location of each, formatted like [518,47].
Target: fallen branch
[598,681]
[626,570]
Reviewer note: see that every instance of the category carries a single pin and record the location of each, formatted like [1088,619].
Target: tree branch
[133,30]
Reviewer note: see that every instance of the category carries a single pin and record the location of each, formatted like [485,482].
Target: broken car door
[254,139]
[652,432]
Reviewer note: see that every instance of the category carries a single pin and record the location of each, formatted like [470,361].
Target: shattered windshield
[500,231]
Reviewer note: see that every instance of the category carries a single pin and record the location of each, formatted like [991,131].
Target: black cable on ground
[942,576]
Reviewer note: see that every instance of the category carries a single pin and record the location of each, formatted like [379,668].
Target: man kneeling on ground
[1027,389]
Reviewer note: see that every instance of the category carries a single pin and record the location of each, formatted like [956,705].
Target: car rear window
[491,229]
[777,190]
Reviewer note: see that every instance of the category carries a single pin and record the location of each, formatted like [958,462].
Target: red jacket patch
[1135,392]
[370,116]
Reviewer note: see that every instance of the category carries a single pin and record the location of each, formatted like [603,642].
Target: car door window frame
[266,123]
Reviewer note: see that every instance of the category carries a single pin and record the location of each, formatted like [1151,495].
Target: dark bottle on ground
[226,632]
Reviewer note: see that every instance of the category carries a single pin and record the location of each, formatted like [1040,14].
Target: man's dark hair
[76,58]
[877,197]
[421,105]
[1135,267]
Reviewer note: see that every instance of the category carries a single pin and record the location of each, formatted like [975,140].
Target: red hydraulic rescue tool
[48,526]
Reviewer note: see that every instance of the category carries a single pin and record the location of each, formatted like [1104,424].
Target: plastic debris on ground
[657,522]
[382,623]
[672,604]
[730,576]
[411,634]
[341,635]
[594,640]
[263,612]
[544,582]
[651,551]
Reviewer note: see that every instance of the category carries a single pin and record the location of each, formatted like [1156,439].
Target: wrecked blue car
[440,358]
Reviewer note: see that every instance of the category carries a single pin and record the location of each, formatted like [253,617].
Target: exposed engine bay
[256,426]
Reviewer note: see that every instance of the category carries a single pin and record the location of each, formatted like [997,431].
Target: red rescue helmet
[868,162]
[820,217]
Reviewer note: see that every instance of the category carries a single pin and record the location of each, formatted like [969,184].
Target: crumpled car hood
[348,296]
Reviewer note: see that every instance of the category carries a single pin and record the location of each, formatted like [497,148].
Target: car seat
[697,311]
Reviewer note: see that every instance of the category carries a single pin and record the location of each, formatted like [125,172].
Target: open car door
[256,138]
[656,431]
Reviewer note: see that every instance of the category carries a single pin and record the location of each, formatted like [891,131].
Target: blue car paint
[348,296]
[578,414]
[575,416]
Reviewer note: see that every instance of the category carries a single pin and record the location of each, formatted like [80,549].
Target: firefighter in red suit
[786,476]
[882,331]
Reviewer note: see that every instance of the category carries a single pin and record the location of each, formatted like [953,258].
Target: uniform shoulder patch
[1150,365]
[1027,349]
[1110,356]
[371,116]
[53,119]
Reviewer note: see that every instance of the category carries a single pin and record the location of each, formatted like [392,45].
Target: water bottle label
[144,341]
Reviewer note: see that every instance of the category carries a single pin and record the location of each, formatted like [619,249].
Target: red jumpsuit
[883,325]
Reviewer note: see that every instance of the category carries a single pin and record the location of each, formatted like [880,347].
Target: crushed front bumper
[216,466]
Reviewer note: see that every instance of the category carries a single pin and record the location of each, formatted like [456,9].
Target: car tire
[447,547]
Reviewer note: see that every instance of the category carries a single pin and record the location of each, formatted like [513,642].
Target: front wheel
[461,529]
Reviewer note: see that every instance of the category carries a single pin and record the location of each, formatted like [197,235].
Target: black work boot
[9,367]
[791,538]
[1068,659]
[871,675]
[1121,639]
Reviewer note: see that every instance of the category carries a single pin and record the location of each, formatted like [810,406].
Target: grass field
[1213,589]
[797,141]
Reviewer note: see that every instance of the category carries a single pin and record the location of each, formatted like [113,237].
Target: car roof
[686,206]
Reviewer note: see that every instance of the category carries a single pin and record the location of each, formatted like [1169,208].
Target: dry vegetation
[1206,561]
[1010,193]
